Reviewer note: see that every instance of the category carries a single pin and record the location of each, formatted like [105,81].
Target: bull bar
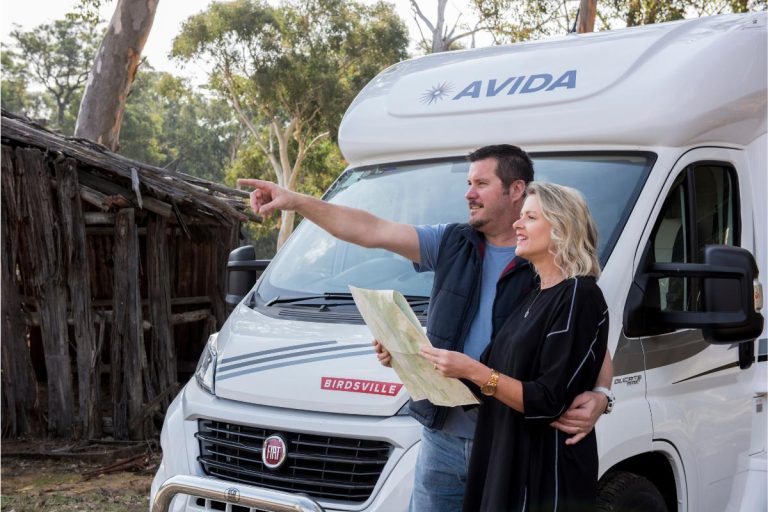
[229,492]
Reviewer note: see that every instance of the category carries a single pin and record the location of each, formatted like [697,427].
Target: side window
[701,209]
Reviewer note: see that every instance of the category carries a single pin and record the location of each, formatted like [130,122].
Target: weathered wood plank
[79,283]
[20,412]
[91,218]
[227,240]
[189,193]
[162,346]
[42,268]
[128,358]
[190,316]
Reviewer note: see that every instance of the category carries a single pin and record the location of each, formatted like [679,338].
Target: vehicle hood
[313,366]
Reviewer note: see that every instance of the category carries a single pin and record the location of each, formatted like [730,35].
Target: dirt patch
[44,476]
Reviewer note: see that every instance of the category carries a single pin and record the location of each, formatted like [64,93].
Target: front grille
[323,467]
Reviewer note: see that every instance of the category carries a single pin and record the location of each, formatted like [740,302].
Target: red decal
[371,387]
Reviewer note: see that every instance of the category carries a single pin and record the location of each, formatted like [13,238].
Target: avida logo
[524,84]
[436,93]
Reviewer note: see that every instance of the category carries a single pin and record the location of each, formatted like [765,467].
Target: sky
[167,24]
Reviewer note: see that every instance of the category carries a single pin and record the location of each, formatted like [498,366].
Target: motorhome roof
[670,84]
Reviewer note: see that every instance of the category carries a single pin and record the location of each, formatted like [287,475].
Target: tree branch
[415,8]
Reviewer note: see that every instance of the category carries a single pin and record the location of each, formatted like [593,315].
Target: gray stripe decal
[639,354]
[273,350]
[710,372]
[762,346]
[672,348]
[290,355]
[293,363]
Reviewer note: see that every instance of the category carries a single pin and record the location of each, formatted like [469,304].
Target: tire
[622,491]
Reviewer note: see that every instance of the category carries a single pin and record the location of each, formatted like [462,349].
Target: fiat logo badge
[273,451]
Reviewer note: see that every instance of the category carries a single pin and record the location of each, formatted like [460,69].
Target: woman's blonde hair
[574,234]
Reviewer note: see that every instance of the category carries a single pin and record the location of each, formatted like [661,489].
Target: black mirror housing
[243,269]
[729,293]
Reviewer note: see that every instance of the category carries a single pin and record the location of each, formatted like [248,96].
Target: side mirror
[731,297]
[243,269]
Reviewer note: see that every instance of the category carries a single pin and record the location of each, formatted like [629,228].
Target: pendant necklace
[531,304]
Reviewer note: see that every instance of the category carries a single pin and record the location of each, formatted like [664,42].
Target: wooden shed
[113,276]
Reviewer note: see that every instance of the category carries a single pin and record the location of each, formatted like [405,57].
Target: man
[478,281]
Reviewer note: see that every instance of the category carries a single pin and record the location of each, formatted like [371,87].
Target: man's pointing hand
[266,197]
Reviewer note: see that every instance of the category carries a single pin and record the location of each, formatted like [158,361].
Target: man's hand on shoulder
[581,416]
[266,197]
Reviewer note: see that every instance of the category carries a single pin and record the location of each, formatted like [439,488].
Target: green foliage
[14,95]
[520,20]
[55,57]
[322,166]
[302,60]
[168,124]
[290,71]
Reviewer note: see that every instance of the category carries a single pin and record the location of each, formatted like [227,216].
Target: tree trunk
[287,219]
[113,72]
[127,352]
[20,412]
[42,267]
[79,280]
[587,12]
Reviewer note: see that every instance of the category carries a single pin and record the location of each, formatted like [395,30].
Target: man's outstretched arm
[349,224]
[587,407]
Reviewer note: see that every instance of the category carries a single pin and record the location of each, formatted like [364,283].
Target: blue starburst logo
[436,93]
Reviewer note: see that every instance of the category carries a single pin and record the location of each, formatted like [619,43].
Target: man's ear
[517,190]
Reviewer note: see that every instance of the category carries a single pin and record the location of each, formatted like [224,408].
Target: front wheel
[621,491]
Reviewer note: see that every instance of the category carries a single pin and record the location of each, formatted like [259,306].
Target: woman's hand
[449,363]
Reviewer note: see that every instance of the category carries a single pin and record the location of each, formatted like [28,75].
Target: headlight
[206,367]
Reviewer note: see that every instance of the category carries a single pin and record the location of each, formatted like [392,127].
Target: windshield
[313,262]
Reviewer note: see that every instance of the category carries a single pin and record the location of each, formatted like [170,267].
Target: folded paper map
[393,322]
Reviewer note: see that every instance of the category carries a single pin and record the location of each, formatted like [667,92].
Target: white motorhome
[663,129]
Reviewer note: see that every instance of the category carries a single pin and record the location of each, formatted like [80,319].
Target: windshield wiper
[327,296]
[342,298]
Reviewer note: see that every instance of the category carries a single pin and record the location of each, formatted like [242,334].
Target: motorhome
[662,128]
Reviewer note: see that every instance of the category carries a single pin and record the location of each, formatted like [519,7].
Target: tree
[167,124]
[520,20]
[585,21]
[113,72]
[441,39]
[325,161]
[56,57]
[14,84]
[290,71]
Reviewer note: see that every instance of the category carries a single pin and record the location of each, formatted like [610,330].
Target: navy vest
[455,297]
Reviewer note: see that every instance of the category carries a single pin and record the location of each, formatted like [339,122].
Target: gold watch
[489,388]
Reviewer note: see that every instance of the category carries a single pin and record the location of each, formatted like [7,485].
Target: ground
[45,476]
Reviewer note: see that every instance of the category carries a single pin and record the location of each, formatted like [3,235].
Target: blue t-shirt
[460,422]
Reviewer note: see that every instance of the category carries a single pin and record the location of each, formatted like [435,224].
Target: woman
[549,350]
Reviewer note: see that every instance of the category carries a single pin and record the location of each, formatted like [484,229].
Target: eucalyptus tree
[55,58]
[290,70]
[113,71]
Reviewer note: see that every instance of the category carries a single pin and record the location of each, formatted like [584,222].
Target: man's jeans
[441,472]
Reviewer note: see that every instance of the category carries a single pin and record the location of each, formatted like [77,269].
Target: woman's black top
[518,461]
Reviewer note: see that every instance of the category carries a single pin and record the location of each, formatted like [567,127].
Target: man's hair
[512,162]
[574,232]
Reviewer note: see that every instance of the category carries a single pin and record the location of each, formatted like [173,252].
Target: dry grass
[35,485]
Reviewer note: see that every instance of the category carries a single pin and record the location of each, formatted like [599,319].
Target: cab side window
[701,209]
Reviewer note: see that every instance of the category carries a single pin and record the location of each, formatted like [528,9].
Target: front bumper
[181,451]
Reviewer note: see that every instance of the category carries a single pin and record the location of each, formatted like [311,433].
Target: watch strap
[609,395]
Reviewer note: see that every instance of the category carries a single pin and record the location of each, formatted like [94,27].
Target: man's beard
[478,223]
